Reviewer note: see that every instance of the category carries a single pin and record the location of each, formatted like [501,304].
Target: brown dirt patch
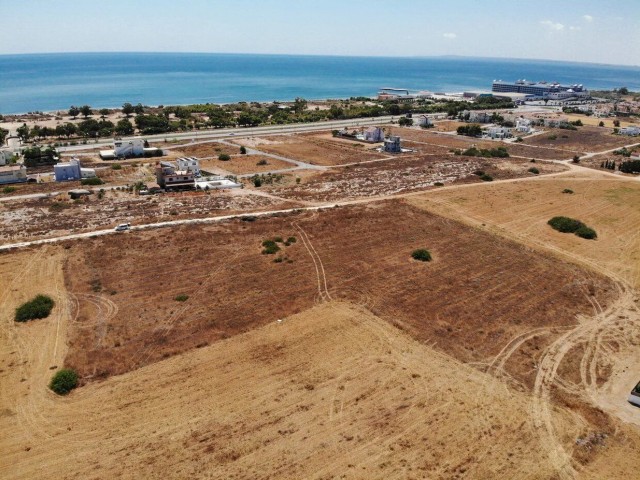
[243,164]
[232,287]
[314,149]
[584,139]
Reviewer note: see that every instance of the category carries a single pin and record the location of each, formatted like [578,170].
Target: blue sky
[585,31]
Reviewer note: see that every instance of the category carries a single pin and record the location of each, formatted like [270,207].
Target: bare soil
[584,139]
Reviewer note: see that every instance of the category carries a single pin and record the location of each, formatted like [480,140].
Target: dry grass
[242,164]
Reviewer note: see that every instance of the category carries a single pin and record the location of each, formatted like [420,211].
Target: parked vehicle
[122,227]
[634,396]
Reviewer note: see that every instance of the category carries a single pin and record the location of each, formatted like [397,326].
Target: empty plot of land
[584,139]
[610,206]
[333,391]
[204,150]
[478,293]
[243,164]
[313,149]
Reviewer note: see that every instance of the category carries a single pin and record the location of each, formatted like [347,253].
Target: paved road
[242,132]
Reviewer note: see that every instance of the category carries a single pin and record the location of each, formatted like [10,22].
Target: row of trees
[89,128]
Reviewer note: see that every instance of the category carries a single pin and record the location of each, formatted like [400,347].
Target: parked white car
[122,227]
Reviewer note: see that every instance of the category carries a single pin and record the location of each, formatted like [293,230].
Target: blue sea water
[55,81]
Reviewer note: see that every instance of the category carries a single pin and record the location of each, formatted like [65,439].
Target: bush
[291,240]
[270,247]
[181,298]
[243,150]
[39,307]
[576,159]
[8,189]
[534,170]
[567,190]
[565,224]
[262,162]
[116,166]
[257,182]
[486,178]
[479,173]
[92,181]
[224,157]
[421,254]
[438,184]
[586,232]
[64,381]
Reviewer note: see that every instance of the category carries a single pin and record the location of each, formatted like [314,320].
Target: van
[122,227]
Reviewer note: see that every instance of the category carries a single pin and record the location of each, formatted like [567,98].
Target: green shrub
[257,182]
[278,239]
[8,189]
[270,247]
[38,307]
[224,157]
[181,298]
[262,162]
[116,166]
[565,224]
[586,232]
[243,150]
[576,159]
[552,137]
[479,173]
[486,178]
[421,254]
[291,240]
[567,190]
[92,181]
[438,184]
[534,170]
[64,381]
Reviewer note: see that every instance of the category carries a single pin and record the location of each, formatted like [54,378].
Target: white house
[5,156]
[425,121]
[523,125]
[129,147]
[373,134]
[189,163]
[72,170]
[499,132]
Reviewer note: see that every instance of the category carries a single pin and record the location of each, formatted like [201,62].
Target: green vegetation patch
[270,247]
[421,254]
[567,190]
[534,170]
[64,381]
[486,178]
[39,307]
[181,298]
[571,225]
[92,181]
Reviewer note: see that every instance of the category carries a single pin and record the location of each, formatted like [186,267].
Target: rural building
[13,174]
[523,125]
[374,135]
[392,144]
[499,132]
[130,148]
[72,170]
[171,179]
[630,131]
[476,117]
[189,163]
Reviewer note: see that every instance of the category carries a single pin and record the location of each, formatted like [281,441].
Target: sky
[598,31]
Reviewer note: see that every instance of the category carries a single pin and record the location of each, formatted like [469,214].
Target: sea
[48,82]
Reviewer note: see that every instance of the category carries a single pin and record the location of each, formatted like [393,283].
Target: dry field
[521,211]
[125,285]
[584,139]
[50,217]
[243,164]
[406,173]
[313,149]
[203,150]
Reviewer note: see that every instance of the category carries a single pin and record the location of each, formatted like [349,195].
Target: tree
[85,110]
[404,121]
[23,132]
[243,150]
[74,112]
[127,109]
[138,109]
[104,112]
[299,105]
[124,127]
[623,91]
[601,124]
[64,381]
[616,123]
[3,135]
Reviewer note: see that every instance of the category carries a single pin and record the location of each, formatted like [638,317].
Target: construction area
[285,330]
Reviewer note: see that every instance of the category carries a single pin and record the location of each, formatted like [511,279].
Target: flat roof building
[538,89]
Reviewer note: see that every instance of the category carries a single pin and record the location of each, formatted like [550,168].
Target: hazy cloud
[574,28]
[588,18]
[552,25]
[449,35]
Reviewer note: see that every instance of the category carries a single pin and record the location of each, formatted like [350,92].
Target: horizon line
[322,55]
